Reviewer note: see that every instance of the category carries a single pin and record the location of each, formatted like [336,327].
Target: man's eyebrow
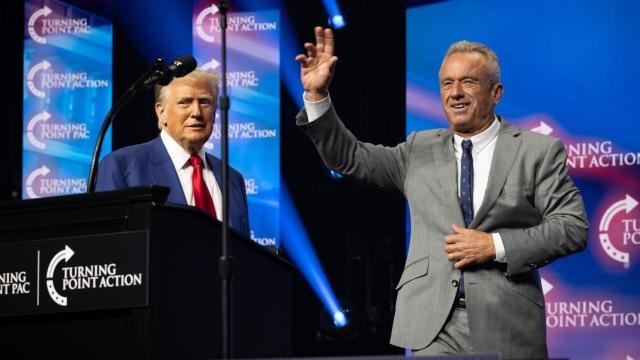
[186,97]
[466,77]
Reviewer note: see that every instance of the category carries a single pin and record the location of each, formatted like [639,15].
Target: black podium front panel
[121,275]
[91,272]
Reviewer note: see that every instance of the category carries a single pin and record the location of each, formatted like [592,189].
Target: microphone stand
[144,82]
[225,261]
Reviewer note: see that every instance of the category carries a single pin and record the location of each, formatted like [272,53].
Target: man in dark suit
[489,204]
[176,159]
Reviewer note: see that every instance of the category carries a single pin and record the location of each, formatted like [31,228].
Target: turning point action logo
[207,23]
[39,185]
[49,79]
[591,154]
[630,230]
[93,276]
[591,312]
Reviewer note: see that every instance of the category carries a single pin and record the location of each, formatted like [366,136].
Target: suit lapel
[216,166]
[162,172]
[504,155]
[447,173]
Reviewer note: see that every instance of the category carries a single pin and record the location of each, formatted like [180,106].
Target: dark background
[358,232]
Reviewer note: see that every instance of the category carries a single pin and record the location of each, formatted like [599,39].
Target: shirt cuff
[315,109]
[501,256]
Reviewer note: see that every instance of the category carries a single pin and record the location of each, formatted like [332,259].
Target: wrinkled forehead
[464,63]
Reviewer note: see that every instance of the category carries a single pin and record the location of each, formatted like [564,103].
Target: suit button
[454,283]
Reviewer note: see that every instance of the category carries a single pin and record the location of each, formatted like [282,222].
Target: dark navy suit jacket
[149,164]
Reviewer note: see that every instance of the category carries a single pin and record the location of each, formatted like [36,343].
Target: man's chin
[460,125]
[197,143]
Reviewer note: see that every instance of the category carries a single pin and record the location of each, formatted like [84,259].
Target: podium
[122,275]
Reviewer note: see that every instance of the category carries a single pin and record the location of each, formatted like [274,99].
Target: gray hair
[470,46]
[160,92]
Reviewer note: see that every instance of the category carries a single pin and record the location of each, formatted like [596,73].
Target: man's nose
[456,90]
[196,111]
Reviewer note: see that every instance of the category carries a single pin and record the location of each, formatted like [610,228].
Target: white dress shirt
[482,151]
[180,159]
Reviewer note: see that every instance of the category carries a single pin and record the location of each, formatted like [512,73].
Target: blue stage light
[337,21]
[298,246]
[339,319]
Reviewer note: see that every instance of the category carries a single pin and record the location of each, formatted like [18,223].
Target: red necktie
[201,194]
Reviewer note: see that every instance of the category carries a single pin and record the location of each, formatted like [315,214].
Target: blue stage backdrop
[67,93]
[568,70]
[253,75]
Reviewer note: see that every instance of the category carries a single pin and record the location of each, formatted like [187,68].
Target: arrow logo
[627,204]
[543,128]
[211,65]
[41,66]
[43,116]
[211,10]
[42,171]
[65,255]
[32,21]
[546,286]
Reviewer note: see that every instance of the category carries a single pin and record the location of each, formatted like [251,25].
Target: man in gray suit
[489,204]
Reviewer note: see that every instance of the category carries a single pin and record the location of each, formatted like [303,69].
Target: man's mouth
[459,106]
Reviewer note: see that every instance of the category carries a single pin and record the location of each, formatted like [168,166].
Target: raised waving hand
[317,66]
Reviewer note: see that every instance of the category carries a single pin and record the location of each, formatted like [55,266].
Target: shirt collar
[481,140]
[179,156]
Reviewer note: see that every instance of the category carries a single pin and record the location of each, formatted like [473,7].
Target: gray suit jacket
[530,201]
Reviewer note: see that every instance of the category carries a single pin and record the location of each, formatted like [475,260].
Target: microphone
[178,68]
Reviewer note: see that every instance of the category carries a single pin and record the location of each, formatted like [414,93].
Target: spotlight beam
[296,241]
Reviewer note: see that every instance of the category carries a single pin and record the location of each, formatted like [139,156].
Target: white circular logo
[41,66]
[627,204]
[65,255]
[41,171]
[45,11]
[211,10]
[43,116]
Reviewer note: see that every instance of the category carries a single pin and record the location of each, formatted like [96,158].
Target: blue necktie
[466,191]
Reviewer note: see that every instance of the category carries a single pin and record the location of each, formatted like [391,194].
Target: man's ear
[498,89]
[160,113]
